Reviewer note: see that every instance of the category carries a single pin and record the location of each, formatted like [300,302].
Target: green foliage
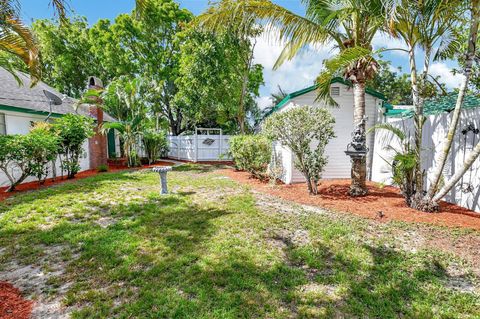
[126,100]
[214,69]
[102,168]
[251,153]
[306,131]
[155,144]
[27,155]
[403,162]
[72,130]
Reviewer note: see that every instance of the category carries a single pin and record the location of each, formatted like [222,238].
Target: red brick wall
[98,143]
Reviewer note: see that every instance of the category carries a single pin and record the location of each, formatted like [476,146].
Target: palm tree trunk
[442,159]
[358,186]
[458,175]
[418,120]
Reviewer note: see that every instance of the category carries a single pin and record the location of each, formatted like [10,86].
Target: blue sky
[293,75]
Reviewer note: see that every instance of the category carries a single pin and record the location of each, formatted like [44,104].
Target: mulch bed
[12,304]
[49,182]
[333,194]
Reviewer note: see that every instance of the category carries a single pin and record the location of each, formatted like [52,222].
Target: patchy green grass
[111,246]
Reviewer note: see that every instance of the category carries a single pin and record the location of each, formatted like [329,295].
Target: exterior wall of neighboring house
[338,165]
[467,192]
[20,123]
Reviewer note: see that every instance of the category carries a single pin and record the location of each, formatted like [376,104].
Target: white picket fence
[199,147]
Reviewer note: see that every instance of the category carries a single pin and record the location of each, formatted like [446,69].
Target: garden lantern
[162,170]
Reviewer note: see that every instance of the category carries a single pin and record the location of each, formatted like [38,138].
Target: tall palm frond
[17,39]
[341,63]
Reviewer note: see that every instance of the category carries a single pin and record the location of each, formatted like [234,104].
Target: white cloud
[264,101]
[445,75]
[383,40]
[296,74]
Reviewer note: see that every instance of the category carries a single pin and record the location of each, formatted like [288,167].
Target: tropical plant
[403,161]
[155,144]
[126,100]
[251,153]
[73,130]
[349,25]
[17,40]
[433,193]
[426,25]
[306,131]
[44,144]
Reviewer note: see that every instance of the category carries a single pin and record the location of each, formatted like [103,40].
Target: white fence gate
[200,147]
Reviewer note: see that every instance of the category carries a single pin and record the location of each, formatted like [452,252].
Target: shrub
[306,131]
[102,168]
[155,145]
[72,130]
[27,155]
[251,153]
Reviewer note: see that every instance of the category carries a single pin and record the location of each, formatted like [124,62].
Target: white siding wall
[19,123]
[435,130]
[338,163]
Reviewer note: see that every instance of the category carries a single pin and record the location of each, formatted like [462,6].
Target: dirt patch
[25,187]
[12,304]
[383,204]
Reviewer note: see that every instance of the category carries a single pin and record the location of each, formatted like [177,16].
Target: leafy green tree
[67,55]
[72,130]
[210,83]
[306,131]
[395,85]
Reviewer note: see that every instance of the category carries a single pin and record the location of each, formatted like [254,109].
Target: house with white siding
[338,163]
[21,106]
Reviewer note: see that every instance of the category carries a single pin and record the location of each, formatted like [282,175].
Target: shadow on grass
[161,259]
[197,168]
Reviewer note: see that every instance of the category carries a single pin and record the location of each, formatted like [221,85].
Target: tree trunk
[470,56]
[359,177]
[418,120]
[359,165]
[458,175]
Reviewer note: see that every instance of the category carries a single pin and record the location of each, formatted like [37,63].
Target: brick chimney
[97,144]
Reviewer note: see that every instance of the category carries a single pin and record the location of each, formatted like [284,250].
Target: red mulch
[49,182]
[12,304]
[333,195]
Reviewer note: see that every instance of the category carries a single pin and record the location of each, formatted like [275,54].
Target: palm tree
[467,72]
[427,25]
[349,24]
[434,194]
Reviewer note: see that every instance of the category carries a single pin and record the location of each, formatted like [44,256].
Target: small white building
[338,162]
[21,106]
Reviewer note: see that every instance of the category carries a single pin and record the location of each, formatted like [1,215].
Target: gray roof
[24,97]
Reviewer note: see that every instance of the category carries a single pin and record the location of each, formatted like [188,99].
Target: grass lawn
[110,246]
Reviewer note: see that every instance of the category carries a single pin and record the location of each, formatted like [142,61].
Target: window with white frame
[3,126]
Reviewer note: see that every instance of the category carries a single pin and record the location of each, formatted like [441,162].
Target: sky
[293,75]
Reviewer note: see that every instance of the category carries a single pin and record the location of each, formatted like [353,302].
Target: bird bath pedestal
[162,170]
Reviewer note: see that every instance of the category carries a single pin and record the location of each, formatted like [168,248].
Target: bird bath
[163,170]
